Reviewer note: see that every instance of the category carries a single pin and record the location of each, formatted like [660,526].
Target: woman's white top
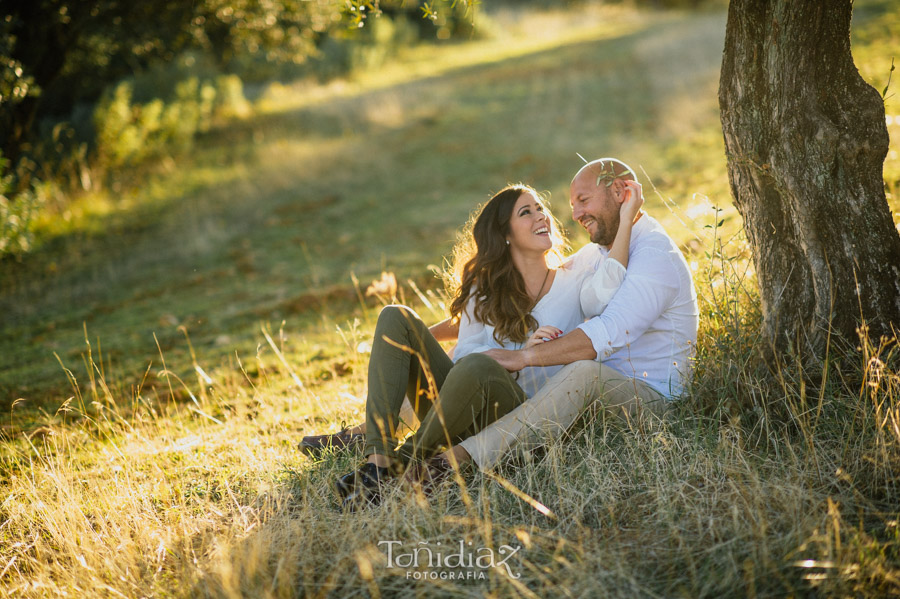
[598,289]
[560,308]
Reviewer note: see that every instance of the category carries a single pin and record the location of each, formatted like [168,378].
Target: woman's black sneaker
[362,487]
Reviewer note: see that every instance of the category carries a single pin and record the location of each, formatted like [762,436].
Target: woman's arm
[446,330]
[628,211]
[599,289]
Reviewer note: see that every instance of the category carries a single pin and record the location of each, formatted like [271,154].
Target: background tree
[61,52]
[806,140]
[55,54]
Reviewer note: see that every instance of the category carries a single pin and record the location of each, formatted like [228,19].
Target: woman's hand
[541,335]
[633,201]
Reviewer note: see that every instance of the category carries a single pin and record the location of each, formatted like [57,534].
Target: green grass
[181,478]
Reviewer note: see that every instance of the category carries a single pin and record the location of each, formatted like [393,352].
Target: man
[634,356]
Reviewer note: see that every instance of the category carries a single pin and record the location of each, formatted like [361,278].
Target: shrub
[230,101]
[128,132]
[17,211]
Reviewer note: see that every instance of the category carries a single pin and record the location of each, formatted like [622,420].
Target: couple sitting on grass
[536,345]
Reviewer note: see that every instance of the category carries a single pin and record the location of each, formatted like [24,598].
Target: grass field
[168,343]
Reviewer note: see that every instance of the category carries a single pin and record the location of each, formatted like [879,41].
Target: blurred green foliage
[69,51]
[16,213]
[654,4]
[57,53]
[87,86]
[128,132]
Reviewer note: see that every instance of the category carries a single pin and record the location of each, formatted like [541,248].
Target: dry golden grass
[749,488]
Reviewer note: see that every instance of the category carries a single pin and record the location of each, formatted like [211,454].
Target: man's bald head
[605,171]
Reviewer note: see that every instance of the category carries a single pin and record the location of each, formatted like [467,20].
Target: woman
[509,296]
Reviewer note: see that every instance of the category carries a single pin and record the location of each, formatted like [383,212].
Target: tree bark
[806,139]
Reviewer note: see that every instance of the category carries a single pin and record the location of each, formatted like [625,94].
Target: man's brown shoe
[314,445]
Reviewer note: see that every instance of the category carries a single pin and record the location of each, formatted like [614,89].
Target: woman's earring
[507,242]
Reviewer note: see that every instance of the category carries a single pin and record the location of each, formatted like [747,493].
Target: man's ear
[618,190]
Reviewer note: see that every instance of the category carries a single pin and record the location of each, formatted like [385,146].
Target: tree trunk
[806,139]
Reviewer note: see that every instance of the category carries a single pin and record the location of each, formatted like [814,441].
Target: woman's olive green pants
[452,401]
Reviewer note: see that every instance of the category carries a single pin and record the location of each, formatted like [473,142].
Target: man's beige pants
[557,405]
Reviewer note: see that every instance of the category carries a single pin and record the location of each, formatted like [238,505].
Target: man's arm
[569,348]
[649,285]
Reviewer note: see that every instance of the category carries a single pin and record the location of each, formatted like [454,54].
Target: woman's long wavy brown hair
[488,272]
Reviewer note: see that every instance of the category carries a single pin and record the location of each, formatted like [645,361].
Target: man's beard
[604,235]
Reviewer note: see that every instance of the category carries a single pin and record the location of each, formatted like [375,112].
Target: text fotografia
[453,562]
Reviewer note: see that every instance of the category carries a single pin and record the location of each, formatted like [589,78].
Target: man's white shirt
[649,328]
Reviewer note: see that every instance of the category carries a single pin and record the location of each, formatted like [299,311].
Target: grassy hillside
[269,218]
[166,347]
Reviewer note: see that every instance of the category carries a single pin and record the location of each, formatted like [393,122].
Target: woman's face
[529,227]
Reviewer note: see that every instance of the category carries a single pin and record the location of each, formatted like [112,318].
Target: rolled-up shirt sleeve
[651,283]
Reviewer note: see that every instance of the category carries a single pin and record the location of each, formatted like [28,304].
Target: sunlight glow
[698,210]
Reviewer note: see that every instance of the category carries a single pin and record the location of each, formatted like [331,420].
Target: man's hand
[513,360]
